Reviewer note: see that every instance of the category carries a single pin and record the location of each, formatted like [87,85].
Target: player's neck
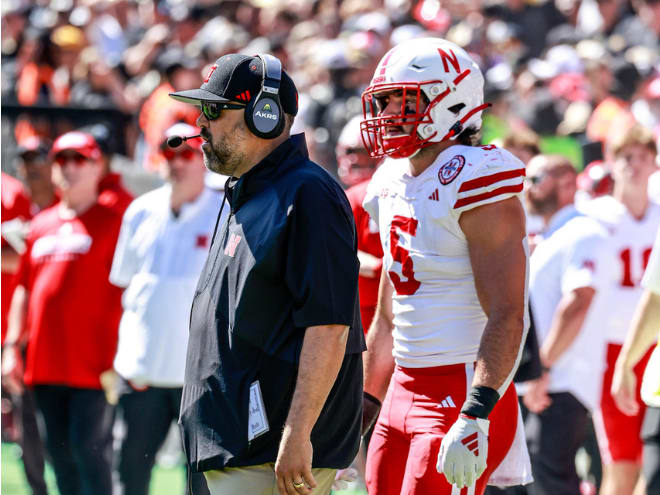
[426,156]
[635,199]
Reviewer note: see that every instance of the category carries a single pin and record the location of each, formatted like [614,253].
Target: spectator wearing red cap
[67,313]
[162,246]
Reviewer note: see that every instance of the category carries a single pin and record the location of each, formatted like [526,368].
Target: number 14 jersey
[437,316]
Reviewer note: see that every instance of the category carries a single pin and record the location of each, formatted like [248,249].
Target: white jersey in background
[565,261]
[437,316]
[624,256]
[158,260]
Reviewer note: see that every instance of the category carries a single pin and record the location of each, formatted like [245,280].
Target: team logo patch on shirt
[450,170]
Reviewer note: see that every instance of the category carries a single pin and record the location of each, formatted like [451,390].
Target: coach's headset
[263,114]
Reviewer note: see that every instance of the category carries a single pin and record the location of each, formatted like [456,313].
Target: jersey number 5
[409,226]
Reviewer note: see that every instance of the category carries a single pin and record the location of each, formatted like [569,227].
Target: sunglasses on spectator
[186,153]
[536,179]
[76,158]
[212,110]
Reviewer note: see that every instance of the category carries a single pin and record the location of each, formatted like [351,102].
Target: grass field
[164,481]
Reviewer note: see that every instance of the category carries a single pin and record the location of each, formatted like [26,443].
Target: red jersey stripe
[490,179]
[480,197]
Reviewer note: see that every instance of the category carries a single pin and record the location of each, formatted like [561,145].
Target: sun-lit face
[634,164]
[540,188]
[76,176]
[224,146]
[183,165]
[392,103]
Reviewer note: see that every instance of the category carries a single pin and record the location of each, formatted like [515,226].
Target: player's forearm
[643,330]
[16,334]
[566,324]
[378,362]
[500,346]
[321,356]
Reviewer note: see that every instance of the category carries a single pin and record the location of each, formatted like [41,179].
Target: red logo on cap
[208,76]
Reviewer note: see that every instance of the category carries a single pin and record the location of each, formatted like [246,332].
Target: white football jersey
[625,256]
[437,316]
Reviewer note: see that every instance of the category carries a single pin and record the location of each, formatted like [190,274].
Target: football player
[632,220]
[451,314]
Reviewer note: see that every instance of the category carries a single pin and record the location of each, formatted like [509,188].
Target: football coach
[273,384]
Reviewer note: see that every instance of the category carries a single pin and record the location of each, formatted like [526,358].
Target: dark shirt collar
[287,154]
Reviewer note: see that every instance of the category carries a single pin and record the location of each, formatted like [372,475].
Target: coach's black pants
[553,438]
[78,438]
[145,418]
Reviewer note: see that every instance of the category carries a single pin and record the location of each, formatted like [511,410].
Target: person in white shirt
[632,221]
[452,309]
[563,283]
[163,243]
[644,331]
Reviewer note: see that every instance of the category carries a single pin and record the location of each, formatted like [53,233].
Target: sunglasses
[76,158]
[186,153]
[212,109]
[536,179]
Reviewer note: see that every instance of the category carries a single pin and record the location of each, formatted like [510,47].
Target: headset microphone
[175,141]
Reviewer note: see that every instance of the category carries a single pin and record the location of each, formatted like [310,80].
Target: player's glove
[370,411]
[464,451]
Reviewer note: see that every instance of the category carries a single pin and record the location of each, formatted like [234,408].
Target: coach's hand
[464,451]
[294,463]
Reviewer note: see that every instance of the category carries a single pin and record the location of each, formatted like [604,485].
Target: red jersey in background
[369,242]
[73,310]
[15,204]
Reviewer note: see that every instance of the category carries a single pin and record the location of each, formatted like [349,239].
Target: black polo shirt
[285,259]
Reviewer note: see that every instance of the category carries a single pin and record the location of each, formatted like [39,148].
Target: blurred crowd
[571,71]
[564,77]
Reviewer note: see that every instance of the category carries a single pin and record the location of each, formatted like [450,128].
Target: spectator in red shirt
[112,192]
[355,168]
[15,206]
[67,313]
[34,168]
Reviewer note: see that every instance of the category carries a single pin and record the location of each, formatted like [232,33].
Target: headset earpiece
[264,115]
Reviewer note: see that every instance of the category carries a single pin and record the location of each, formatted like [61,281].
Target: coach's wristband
[480,402]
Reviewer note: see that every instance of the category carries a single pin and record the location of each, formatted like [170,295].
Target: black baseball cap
[237,78]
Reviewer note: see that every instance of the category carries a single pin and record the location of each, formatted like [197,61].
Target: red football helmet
[444,83]
[354,165]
